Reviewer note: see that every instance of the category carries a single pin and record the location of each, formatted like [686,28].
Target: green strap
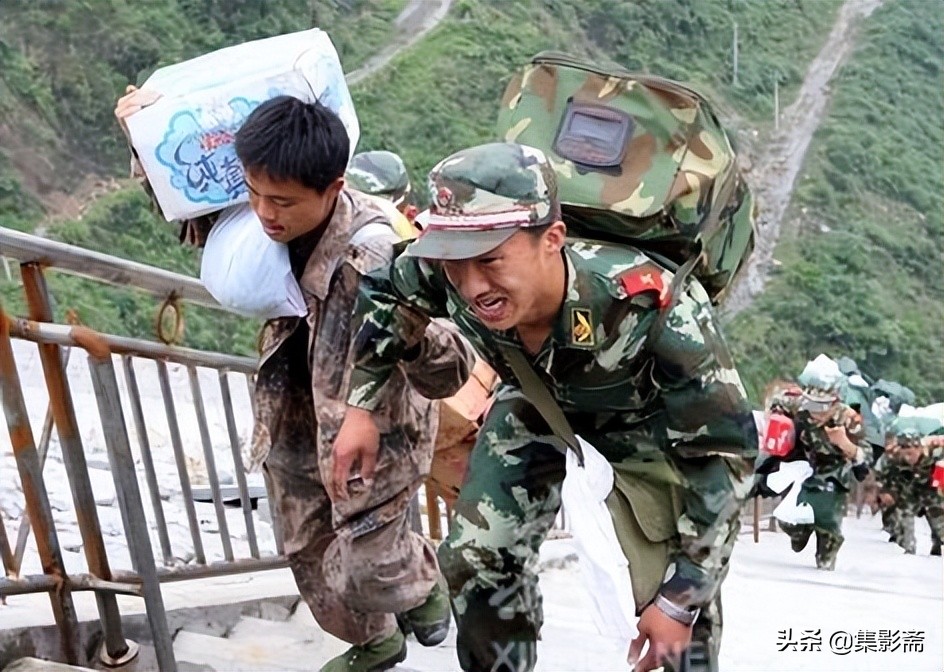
[540,397]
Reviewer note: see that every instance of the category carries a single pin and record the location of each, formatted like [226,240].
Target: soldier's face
[289,209]
[518,283]
[910,454]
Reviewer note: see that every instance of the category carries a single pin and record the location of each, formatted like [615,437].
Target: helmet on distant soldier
[380,173]
[908,438]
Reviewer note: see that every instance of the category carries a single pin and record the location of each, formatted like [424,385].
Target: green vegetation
[17,209]
[122,221]
[865,278]
[443,94]
[66,62]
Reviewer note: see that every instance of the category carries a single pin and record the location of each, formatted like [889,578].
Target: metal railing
[147,572]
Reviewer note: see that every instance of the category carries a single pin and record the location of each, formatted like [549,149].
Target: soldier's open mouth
[493,309]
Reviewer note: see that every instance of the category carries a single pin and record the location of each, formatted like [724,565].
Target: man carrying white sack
[350,546]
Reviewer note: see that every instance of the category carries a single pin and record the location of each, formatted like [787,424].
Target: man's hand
[886,499]
[133,101]
[668,639]
[358,441]
[838,437]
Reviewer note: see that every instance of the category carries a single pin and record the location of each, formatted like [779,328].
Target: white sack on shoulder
[248,272]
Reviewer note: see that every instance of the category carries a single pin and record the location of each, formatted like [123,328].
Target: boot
[936,548]
[430,621]
[827,548]
[372,657]
[404,624]
[828,564]
[800,537]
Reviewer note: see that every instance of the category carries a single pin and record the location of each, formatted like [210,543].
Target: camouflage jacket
[831,469]
[909,485]
[316,351]
[676,402]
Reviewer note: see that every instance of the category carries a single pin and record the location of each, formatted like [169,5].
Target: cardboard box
[185,140]
[458,428]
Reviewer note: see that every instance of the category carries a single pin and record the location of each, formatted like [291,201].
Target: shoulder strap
[538,394]
[372,230]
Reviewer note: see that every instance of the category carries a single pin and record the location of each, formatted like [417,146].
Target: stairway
[286,639]
[261,644]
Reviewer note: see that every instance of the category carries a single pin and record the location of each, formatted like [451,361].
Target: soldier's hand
[668,639]
[133,101]
[839,438]
[886,499]
[358,442]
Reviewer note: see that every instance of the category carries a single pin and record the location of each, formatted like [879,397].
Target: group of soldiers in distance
[897,459]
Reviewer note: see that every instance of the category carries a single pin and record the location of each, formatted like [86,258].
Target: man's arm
[443,362]
[394,306]
[193,231]
[714,437]
[390,330]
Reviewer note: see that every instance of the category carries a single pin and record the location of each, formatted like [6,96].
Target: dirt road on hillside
[774,174]
[417,18]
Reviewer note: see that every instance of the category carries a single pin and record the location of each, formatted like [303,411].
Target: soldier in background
[653,388]
[889,510]
[380,173]
[906,490]
[830,436]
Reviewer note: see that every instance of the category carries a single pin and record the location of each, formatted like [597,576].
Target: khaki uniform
[356,561]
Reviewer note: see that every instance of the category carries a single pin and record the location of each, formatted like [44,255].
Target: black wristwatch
[684,615]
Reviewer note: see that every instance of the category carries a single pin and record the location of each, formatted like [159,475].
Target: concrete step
[37,665]
[247,655]
[260,628]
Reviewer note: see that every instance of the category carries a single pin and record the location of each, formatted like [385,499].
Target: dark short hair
[290,139]
[537,231]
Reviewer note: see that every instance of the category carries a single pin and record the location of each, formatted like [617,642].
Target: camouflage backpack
[640,160]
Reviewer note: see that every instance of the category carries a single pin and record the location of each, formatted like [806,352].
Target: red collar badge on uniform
[646,278]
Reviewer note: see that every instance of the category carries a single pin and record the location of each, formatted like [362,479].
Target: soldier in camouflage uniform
[905,478]
[380,173]
[831,437]
[355,559]
[662,402]
[889,511]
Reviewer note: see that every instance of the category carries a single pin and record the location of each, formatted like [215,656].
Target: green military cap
[908,438]
[819,398]
[379,173]
[481,196]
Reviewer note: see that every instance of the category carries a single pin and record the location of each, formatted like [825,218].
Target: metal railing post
[105,384]
[239,470]
[37,498]
[73,457]
[23,534]
[180,457]
[210,462]
[147,459]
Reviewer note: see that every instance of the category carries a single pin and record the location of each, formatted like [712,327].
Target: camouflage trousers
[355,578]
[890,520]
[902,521]
[829,508]
[506,506]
